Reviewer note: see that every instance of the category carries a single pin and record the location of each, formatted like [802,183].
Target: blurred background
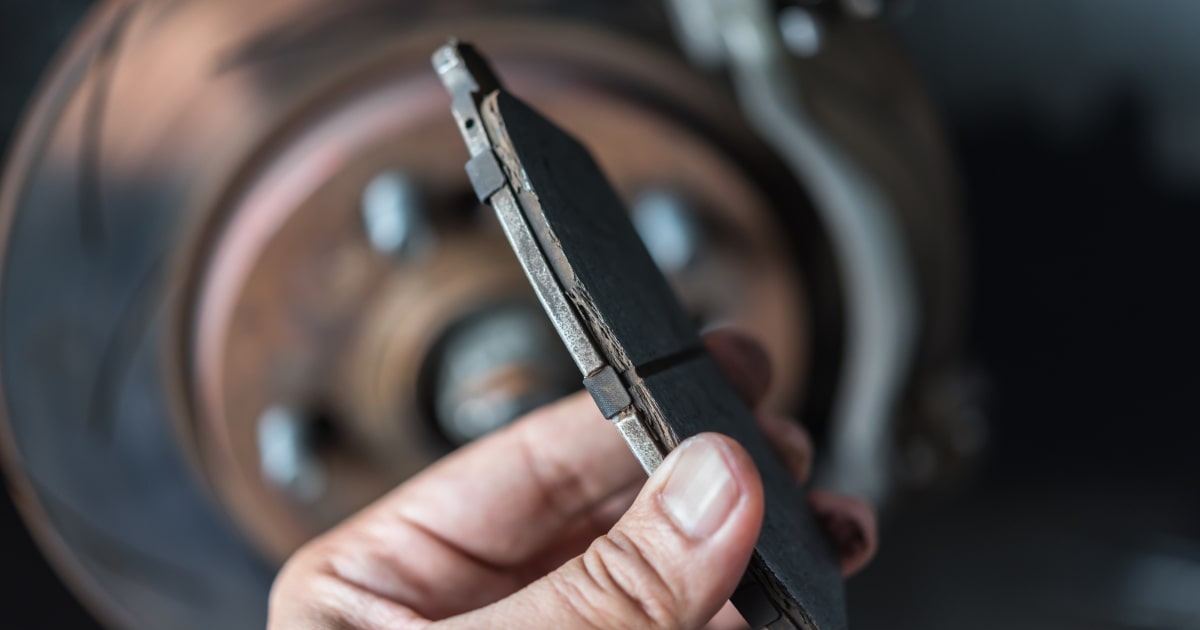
[245,287]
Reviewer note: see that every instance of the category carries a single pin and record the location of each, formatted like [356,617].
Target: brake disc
[246,289]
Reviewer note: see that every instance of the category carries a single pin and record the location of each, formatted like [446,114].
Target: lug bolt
[393,213]
[669,228]
[800,31]
[286,456]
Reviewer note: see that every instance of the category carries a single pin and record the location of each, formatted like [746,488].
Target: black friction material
[792,556]
[636,321]
[590,227]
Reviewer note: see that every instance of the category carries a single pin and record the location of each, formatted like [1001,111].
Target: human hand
[550,522]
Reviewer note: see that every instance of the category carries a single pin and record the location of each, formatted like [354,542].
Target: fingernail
[700,491]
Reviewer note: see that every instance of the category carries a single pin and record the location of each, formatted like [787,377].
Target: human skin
[550,522]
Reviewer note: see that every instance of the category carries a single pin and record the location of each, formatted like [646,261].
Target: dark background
[30,33]
[1077,128]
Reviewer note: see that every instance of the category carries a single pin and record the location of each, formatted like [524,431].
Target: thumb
[671,561]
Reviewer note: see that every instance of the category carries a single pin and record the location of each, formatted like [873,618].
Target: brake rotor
[298,311]
[246,289]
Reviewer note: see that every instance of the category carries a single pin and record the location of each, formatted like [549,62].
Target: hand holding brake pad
[639,353]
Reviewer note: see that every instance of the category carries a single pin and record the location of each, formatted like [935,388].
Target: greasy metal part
[608,282]
[880,290]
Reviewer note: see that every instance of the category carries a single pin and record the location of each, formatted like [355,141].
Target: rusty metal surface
[357,328]
[173,271]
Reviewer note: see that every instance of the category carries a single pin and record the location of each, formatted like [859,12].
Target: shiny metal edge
[643,445]
[464,87]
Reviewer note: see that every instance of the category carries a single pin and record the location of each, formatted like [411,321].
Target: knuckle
[621,587]
[306,595]
[293,599]
[289,578]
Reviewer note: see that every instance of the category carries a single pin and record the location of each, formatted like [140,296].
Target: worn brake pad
[639,353]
